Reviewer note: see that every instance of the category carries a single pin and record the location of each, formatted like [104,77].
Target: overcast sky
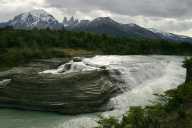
[166,15]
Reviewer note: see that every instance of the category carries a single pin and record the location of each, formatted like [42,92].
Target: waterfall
[139,77]
[75,65]
[142,77]
[132,71]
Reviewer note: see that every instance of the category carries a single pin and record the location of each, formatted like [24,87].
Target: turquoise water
[29,119]
[10,118]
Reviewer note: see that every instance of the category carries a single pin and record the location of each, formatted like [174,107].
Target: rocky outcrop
[70,93]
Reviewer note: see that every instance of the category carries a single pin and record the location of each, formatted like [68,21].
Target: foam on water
[143,76]
[72,67]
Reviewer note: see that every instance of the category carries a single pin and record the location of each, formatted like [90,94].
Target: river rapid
[142,77]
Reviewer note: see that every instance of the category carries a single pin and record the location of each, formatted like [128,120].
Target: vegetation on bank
[11,57]
[173,110]
[20,46]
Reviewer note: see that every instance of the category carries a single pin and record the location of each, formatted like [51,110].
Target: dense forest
[172,110]
[20,46]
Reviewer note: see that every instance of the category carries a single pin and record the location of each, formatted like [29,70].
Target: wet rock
[77,59]
[48,63]
[4,83]
[70,93]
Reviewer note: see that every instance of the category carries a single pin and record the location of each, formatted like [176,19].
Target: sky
[167,15]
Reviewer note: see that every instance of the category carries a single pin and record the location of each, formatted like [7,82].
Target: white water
[143,76]
[71,67]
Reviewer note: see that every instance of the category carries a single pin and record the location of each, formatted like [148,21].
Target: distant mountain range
[103,25]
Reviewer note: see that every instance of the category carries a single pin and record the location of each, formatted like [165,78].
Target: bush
[173,110]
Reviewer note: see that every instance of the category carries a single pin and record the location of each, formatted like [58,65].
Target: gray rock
[71,93]
[77,59]
[4,83]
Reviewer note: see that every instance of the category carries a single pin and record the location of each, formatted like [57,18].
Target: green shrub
[173,110]
[187,62]
[110,122]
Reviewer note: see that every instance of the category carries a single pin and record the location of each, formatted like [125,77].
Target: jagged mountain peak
[37,14]
[70,22]
[36,18]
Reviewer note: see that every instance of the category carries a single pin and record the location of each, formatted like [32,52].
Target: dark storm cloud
[158,8]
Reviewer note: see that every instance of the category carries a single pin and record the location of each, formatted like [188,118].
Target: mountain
[102,25]
[34,19]
[99,25]
[70,22]
[170,36]
[3,25]
[106,25]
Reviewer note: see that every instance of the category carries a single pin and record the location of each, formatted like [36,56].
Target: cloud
[10,8]
[168,24]
[167,15]
[163,8]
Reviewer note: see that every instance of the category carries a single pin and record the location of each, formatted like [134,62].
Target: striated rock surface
[68,93]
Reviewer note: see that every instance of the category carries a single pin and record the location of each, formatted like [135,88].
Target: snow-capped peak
[38,14]
[35,18]
[160,32]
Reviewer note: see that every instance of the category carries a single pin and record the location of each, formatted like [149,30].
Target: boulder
[68,93]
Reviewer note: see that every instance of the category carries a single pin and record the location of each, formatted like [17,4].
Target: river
[143,76]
